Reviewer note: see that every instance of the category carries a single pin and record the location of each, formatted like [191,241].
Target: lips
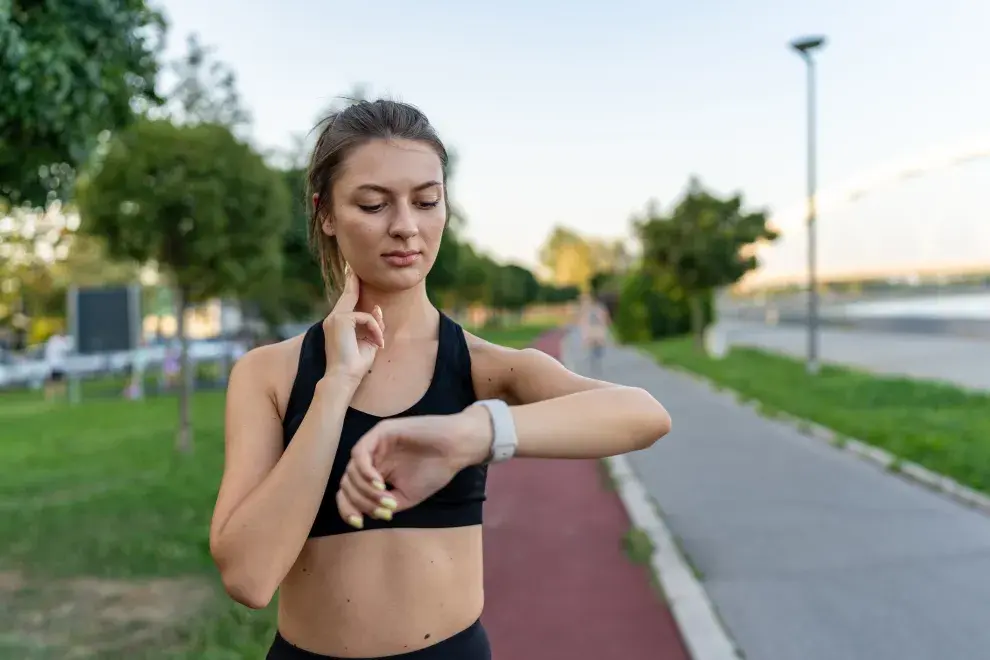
[401,258]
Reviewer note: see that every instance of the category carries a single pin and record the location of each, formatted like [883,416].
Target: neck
[406,313]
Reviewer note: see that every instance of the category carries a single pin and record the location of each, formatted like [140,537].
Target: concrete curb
[883,459]
[699,625]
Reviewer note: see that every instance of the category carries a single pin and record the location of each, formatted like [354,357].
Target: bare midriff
[382,592]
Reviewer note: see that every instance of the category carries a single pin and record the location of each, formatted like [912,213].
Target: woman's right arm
[268,498]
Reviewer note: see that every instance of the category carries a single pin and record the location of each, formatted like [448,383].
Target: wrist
[340,383]
[476,435]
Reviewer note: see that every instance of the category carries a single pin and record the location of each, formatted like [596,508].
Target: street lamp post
[805,46]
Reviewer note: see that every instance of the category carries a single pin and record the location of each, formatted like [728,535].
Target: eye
[428,205]
[371,208]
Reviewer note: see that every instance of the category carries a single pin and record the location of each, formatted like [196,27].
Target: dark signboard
[105,319]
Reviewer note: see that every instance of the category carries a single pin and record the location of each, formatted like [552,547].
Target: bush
[650,307]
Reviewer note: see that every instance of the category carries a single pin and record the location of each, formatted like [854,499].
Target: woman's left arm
[558,413]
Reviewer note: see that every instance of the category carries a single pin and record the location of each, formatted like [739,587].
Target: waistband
[469,644]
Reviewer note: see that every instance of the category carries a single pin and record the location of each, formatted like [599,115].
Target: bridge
[853,246]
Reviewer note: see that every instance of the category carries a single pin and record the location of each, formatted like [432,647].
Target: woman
[355,463]
[594,330]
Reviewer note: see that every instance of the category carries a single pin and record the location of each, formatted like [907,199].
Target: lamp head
[804,45]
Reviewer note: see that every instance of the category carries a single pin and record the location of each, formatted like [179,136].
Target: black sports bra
[459,503]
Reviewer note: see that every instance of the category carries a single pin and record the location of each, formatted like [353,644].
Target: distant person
[357,452]
[594,331]
[171,365]
[56,354]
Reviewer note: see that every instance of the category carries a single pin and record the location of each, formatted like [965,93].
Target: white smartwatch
[504,440]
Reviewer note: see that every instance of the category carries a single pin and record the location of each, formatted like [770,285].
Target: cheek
[432,231]
[356,237]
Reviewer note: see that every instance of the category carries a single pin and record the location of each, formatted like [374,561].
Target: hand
[352,339]
[416,455]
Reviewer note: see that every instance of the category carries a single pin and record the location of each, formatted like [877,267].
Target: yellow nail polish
[389,503]
[377,484]
[382,514]
[355,522]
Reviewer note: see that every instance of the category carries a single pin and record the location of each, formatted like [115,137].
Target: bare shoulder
[491,364]
[271,368]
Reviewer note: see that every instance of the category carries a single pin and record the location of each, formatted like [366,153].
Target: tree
[557,294]
[702,244]
[205,90]
[512,287]
[650,305]
[454,255]
[568,257]
[69,70]
[473,277]
[199,203]
[573,260]
[297,292]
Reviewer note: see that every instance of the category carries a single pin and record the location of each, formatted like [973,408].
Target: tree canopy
[194,199]
[701,243]
[69,70]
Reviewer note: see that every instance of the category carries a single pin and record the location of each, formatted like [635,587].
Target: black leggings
[469,644]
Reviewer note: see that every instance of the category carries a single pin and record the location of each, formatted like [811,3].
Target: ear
[327,225]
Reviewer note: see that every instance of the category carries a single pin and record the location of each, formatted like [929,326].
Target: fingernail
[378,484]
[389,503]
[382,514]
[355,521]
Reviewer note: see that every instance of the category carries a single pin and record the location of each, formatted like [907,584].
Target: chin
[399,279]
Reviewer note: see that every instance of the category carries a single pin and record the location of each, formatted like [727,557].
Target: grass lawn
[938,426]
[516,336]
[104,548]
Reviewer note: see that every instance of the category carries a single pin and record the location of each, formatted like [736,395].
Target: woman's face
[389,212]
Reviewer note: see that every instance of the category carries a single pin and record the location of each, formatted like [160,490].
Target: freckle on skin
[427,636]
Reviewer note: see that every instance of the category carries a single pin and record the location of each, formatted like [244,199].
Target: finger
[349,296]
[370,506]
[380,503]
[377,311]
[362,461]
[372,487]
[348,511]
[370,325]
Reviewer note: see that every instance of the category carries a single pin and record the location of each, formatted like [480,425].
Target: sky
[579,113]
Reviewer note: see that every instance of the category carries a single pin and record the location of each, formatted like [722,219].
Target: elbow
[655,419]
[247,591]
[243,584]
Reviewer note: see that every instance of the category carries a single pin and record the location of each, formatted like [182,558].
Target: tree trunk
[183,437]
[697,320]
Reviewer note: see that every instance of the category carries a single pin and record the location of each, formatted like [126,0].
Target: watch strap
[504,439]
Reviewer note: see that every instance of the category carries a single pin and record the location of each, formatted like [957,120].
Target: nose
[403,225]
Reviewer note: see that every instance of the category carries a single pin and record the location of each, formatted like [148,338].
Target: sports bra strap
[456,358]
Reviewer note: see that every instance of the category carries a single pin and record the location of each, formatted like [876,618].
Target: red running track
[558,584]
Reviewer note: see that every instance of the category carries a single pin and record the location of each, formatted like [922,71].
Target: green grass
[96,492]
[100,520]
[938,426]
[518,336]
